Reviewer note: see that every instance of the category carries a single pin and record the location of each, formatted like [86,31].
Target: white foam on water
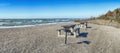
[30,25]
[16,26]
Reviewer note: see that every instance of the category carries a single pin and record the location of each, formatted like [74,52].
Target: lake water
[6,23]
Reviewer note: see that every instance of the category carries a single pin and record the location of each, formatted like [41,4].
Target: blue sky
[55,8]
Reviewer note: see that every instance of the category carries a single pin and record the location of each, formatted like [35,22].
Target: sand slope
[43,39]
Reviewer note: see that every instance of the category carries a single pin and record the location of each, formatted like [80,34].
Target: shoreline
[44,39]
[6,27]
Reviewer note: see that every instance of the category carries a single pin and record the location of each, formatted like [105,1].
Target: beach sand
[44,39]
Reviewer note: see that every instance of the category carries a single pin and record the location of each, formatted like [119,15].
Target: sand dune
[44,39]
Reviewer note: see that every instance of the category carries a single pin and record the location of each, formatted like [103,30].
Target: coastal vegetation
[111,15]
[111,18]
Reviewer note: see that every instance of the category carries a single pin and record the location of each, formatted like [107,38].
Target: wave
[30,25]
[13,23]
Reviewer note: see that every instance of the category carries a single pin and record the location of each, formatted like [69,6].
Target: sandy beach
[44,39]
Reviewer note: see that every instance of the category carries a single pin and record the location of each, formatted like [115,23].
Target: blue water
[25,22]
